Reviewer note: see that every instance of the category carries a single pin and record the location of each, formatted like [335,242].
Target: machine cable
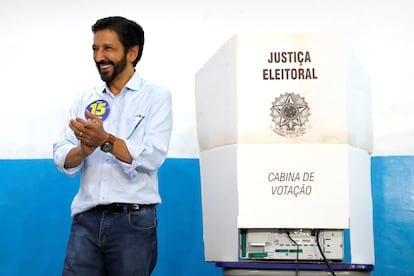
[323,255]
[297,251]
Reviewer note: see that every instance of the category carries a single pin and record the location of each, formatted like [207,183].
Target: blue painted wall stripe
[393,198]
[35,201]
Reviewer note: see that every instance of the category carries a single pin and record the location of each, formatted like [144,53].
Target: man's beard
[117,69]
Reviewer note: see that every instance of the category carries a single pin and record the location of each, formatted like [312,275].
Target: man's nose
[98,55]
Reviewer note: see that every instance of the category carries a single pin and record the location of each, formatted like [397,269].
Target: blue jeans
[112,244]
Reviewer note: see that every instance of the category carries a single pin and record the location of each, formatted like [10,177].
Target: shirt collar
[133,84]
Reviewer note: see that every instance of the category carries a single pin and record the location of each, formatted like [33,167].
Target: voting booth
[285,136]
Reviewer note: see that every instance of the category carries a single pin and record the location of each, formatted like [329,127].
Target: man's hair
[129,32]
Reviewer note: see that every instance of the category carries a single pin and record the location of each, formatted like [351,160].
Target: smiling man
[117,136]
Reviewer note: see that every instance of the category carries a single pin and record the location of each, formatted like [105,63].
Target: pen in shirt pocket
[141,117]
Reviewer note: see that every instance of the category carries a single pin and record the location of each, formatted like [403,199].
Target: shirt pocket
[134,124]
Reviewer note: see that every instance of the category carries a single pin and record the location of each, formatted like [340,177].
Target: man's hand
[90,132]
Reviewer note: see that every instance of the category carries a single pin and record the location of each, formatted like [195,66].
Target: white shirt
[141,115]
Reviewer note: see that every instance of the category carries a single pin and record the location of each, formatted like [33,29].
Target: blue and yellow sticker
[99,108]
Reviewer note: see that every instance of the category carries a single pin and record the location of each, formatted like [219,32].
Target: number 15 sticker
[99,108]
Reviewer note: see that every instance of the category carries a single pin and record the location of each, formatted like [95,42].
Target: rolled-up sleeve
[65,143]
[60,151]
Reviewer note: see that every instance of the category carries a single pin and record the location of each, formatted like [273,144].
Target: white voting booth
[284,130]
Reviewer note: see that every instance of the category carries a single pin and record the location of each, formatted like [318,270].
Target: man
[117,136]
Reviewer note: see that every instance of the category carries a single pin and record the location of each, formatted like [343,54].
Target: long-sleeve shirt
[141,115]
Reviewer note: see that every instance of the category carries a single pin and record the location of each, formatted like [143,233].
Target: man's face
[109,55]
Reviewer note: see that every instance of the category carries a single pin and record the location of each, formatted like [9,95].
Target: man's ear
[132,53]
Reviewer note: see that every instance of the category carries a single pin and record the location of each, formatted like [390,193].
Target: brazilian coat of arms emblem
[290,114]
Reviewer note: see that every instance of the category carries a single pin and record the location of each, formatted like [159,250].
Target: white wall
[46,57]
